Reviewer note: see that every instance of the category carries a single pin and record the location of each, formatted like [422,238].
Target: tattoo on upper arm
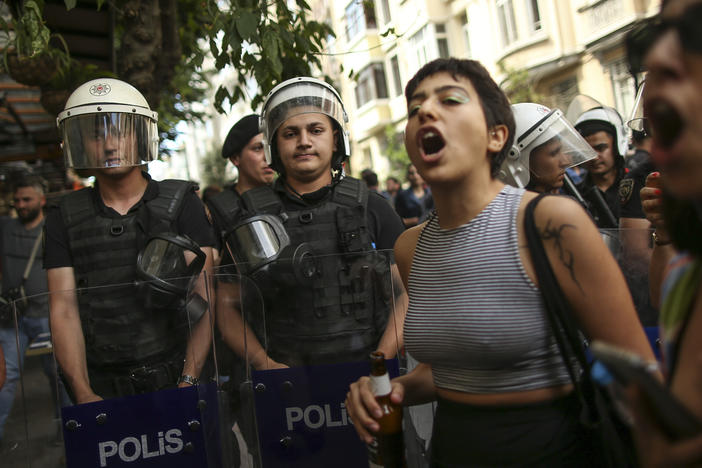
[566,256]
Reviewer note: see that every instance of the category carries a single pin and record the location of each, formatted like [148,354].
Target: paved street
[32,441]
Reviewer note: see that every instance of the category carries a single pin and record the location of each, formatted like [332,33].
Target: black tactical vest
[341,315]
[118,329]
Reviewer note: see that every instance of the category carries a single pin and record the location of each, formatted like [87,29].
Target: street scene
[350,233]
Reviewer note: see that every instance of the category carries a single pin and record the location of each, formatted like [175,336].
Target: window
[428,43]
[534,15]
[371,84]
[441,40]
[623,87]
[396,79]
[505,17]
[359,16]
[465,31]
[385,8]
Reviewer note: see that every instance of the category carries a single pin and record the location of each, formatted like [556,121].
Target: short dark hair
[369,177]
[493,101]
[31,180]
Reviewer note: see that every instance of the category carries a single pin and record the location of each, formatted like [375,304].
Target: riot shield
[632,249]
[301,331]
[119,385]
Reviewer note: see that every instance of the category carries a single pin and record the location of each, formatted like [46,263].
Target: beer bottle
[387,449]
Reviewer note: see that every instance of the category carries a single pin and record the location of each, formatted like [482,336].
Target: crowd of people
[298,263]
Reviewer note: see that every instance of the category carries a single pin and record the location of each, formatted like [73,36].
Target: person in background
[476,319]
[371,179]
[392,187]
[24,281]
[641,141]
[604,130]
[414,203]
[669,48]
[546,145]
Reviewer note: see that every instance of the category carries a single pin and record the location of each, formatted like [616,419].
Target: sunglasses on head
[645,33]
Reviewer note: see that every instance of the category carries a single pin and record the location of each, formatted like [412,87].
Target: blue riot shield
[306,329]
[118,396]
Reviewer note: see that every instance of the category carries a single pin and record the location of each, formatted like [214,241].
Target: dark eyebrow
[307,125]
[440,89]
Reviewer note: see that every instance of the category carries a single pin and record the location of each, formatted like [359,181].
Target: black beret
[239,135]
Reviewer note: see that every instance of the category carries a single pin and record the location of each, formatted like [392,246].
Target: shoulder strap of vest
[171,193]
[225,208]
[351,192]
[262,200]
[77,206]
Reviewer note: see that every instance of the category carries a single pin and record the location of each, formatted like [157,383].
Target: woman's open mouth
[431,142]
[666,123]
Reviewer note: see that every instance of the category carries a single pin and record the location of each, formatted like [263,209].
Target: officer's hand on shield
[266,363]
[364,410]
[87,397]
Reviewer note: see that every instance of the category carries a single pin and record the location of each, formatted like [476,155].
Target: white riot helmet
[302,95]
[602,117]
[107,123]
[536,126]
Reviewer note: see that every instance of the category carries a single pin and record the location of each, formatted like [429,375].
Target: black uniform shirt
[192,221]
[630,187]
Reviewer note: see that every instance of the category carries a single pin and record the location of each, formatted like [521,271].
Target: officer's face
[251,163]
[547,164]
[603,144]
[673,97]
[306,143]
[110,147]
[28,203]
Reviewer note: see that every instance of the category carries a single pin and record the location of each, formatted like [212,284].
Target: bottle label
[380,384]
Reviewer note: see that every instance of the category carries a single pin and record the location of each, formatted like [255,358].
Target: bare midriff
[506,398]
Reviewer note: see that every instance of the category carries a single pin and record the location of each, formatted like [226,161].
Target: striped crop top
[474,315]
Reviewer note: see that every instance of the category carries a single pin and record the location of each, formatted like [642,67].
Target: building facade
[568,47]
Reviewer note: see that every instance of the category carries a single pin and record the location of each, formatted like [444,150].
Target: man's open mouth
[666,123]
[432,142]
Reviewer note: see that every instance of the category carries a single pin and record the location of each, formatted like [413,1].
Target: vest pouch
[350,236]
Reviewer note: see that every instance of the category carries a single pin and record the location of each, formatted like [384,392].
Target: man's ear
[336,139]
[497,136]
[235,159]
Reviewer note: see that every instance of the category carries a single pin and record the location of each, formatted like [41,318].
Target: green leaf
[70,4]
[270,52]
[246,24]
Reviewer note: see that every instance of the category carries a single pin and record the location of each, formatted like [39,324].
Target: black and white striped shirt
[474,314]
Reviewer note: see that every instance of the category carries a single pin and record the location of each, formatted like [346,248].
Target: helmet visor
[110,139]
[558,147]
[300,98]
[637,121]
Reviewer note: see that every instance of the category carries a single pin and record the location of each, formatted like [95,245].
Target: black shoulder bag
[612,443]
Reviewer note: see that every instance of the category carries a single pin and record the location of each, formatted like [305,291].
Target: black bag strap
[565,330]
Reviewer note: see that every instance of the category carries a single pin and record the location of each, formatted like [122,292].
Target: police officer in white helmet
[322,223]
[108,341]
[545,145]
